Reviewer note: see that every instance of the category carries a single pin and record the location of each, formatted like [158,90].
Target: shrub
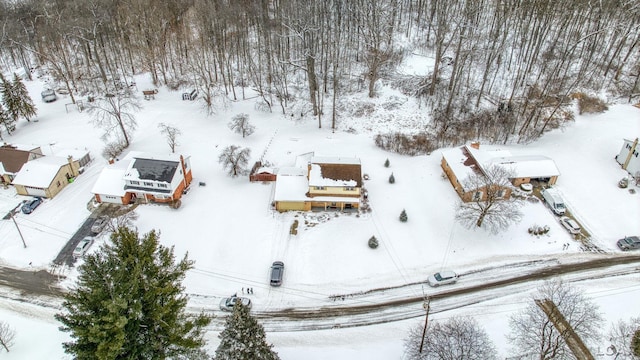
[403,216]
[392,179]
[590,104]
[294,228]
[113,150]
[373,242]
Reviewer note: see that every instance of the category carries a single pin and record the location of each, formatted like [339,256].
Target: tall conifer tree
[128,303]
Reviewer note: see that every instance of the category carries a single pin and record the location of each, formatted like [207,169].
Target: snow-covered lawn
[229,228]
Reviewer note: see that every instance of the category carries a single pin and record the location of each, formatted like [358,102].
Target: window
[150,184]
[135,182]
[58,183]
[111,197]
[500,193]
[162,185]
[349,188]
[320,188]
[477,196]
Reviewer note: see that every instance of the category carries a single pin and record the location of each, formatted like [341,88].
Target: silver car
[99,224]
[570,225]
[629,243]
[227,304]
[82,247]
[442,278]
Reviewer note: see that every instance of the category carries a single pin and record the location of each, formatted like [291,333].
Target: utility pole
[19,232]
[426,306]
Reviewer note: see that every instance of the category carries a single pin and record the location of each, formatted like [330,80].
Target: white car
[82,247]
[442,278]
[526,187]
[570,225]
[99,224]
[227,304]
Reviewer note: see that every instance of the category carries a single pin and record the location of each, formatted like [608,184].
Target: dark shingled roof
[344,172]
[156,170]
[12,159]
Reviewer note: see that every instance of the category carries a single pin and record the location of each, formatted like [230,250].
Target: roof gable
[40,172]
[12,159]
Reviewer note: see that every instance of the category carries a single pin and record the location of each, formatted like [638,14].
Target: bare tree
[457,338]
[7,334]
[489,205]
[241,125]
[533,333]
[125,219]
[171,133]
[115,112]
[621,337]
[235,159]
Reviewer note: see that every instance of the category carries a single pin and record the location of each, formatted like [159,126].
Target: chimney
[476,145]
[74,172]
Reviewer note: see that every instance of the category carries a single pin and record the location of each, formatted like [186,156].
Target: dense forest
[504,70]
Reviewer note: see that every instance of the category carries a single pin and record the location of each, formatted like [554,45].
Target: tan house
[460,163]
[13,157]
[319,183]
[46,176]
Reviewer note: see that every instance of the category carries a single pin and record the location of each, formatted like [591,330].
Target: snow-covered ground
[230,230]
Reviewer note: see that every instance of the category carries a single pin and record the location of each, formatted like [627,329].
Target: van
[554,201]
[277,270]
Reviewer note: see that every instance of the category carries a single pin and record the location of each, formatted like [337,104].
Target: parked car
[99,224]
[227,304]
[570,225]
[82,247]
[442,278]
[48,95]
[31,205]
[277,270]
[629,243]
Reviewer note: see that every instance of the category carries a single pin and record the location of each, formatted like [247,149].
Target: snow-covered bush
[392,179]
[373,242]
[403,216]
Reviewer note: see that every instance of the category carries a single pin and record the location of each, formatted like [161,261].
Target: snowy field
[229,228]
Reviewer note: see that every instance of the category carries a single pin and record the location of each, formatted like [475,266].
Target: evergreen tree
[386,163]
[392,179]
[403,216]
[635,343]
[7,121]
[128,303]
[243,338]
[16,98]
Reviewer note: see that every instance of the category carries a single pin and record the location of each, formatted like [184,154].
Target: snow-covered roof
[461,163]
[111,179]
[77,154]
[265,170]
[467,160]
[291,185]
[334,160]
[536,166]
[40,172]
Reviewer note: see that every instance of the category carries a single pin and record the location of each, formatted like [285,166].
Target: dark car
[31,205]
[277,270]
[629,243]
[48,95]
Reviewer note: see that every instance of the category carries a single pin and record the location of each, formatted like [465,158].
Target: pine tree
[403,216]
[7,121]
[16,98]
[243,338]
[392,179]
[128,303]
[386,163]
[25,106]
[635,343]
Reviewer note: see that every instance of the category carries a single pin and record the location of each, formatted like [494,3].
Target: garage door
[35,191]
